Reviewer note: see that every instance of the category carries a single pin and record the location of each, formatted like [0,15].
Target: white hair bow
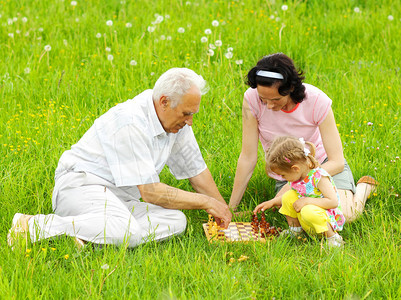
[306,150]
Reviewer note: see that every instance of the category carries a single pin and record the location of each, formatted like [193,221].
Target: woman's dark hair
[280,63]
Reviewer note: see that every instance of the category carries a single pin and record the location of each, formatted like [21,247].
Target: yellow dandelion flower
[66,256]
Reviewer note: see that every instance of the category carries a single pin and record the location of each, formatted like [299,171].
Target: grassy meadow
[63,63]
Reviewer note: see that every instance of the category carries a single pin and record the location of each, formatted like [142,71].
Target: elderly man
[99,182]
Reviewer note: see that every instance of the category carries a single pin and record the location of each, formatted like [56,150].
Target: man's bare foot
[18,233]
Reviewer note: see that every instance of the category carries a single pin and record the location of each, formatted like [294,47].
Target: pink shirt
[301,121]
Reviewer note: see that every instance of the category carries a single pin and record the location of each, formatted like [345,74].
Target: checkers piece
[236,232]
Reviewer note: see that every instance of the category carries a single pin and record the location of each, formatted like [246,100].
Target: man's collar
[156,125]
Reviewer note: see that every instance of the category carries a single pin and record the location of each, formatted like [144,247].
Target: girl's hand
[264,206]
[301,202]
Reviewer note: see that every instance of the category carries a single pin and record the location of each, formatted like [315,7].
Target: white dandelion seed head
[128,25]
[110,57]
[208,31]
[108,49]
[181,30]
[39,38]
[40,29]
[27,33]
[133,63]
[230,49]
[187,3]
[105,267]
[239,61]
[151,29]
[9,21]
[203,39]
[159,19]
[65,42]
[74,3]
[168,38]
[98,35]
[215,23]
[272,17]
[167,16]
[278,19]
[77,20]
[210,52]
[390,18]
[229,55]
[156,40]
[17,31]
[284,7]
[15,19]
[48,48]
[109,23]
[11,35]
[218,43]
[212,46]
[27,70]
[357,10]
[152,73]
[162,37]
[24,19]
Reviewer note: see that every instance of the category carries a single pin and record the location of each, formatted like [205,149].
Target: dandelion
[284,7]
[77,20]
[110,57]
[159,19]
[208,31]
[27,70]
[229,55]
[28,250]
[181,30]
[11,35]
[215,23]
[40,29]
[278,19]
[24,19]
[98,35]
[210,52]
[239,61]
[167,16]
[203,39]
[357,10]
[48,48]
[109,23]
[162,37]
[187,3]
[168,38]
[66,256]
[133,63]
[108,49]
[390,18]
[218,43]
[230,49]
[212,46]
[128,25]
[74,3]
[15,19]
[105,267]
[272,17]
[151,28]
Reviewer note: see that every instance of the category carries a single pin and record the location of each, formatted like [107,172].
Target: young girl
[313,203]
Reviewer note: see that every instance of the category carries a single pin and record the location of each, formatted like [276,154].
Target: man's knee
[178,221]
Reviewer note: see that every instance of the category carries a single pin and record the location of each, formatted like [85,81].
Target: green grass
[49,99]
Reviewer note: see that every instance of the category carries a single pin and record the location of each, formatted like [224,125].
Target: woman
[278,103]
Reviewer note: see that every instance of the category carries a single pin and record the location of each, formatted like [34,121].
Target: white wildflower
[98,35]
[210,52]
[203,39]
[105,267]
[159,19]
[181,30]
[27,70]
[65,42]
[108,49]
[109,23]
[11,35]
[48,48]
[17,31]
[40,29]
[9,21]
[151,28]
[133,63]
[24,19]
[128,25]
[239,61]
[357,10]
[208,31]
[284,7]
[162,37]
[229,55]
[168,38]
[230,49]
[390,18]
[77,20]
[218,43]
[74,3]
[15,19]
[167,16]
[110,57]
[212,46]
[215,23]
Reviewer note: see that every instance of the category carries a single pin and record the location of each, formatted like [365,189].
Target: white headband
[306,150]
[269,74]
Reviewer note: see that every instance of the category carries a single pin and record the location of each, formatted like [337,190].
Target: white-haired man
[99,182]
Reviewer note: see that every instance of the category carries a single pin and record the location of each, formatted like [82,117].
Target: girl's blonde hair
[286,151]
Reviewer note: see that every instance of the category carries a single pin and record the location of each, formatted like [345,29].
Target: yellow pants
[312,218]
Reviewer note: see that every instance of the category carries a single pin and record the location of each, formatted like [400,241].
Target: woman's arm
[332,144]
[248,157]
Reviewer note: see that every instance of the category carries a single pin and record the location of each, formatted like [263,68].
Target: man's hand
[220,212]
